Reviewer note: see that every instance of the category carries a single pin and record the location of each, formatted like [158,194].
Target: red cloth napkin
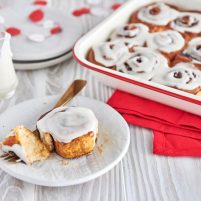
[176,133]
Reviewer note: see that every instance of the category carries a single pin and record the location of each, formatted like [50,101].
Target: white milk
[8,78]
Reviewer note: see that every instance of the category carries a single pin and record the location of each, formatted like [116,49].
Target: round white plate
[112,144]
[41,64]
[25,49]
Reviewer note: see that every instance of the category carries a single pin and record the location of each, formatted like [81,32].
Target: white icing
[68,123]
[131,34]
[36,37]
[165,15]
[144,63]
[190,80]
[94,2]
[48,24]
[193,25]
[192,51]
[17,149]
[110,53]
[166,41]
[99,11]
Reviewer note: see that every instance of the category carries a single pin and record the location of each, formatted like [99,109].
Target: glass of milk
[8,78]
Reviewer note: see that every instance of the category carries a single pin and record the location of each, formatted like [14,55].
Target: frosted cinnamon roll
[108,54]
[191,54]
[183,76]
[156,16]
[187,22]
[131,34]
[72,129]
[144,63]
[168,42]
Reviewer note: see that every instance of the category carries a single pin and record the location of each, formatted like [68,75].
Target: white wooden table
[140,176]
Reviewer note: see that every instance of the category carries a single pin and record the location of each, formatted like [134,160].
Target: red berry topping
[56,30]
[36,15]
[81,11]
[40,3]
[13,31]
[115,6]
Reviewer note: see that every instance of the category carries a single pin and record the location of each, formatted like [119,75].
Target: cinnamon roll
[73,130]
[144,63]
[168,42]
[108,54]
[26,145]
[183,76]
[156,16]
[191,54]
[131,34]
[187,23]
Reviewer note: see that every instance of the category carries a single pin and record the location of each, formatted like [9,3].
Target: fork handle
[71,92]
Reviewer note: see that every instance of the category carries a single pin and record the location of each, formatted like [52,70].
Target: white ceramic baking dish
[129,83]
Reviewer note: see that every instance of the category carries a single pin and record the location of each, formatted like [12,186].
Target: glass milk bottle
[8,78]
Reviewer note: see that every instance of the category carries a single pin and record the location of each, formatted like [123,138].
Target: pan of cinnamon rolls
[160,43]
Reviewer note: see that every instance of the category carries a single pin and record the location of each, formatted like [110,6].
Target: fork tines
[10,157]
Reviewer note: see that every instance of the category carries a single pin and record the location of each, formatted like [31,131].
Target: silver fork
[69,94]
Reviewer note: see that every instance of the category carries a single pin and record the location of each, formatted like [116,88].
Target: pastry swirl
[157,13]
[194,50]
[108,54]
[130,34]
[144,63]
[166,41]
[187,22]
[183,76]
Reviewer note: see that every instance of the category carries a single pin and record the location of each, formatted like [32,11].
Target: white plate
[112,144]
[27,50]
[41,64]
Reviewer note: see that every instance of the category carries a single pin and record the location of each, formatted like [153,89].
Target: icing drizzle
[183,76]
[194,50]
[187,22]
[68,123]
[110,53]
[144,63]
[17,149]
[157,13]
[166,41]
[131,34]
